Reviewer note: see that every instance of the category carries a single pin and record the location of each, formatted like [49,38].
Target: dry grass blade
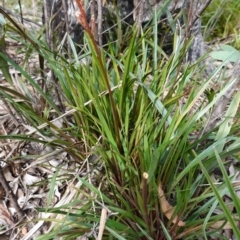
[102,223]
[223,225]
[220,106]
[168,209]
[68,196]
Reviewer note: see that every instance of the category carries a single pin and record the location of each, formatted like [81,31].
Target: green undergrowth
[141,116]
[221,20]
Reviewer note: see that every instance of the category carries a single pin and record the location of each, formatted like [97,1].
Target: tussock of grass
[221,20]
[131,129]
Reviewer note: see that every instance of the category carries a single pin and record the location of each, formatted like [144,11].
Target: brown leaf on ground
[168,209]
[219,224]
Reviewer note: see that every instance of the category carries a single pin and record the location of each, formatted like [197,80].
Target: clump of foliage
[141,116]
[221,20]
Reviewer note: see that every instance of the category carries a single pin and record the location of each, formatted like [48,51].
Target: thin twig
[17,16]
[195,17]
[65,10]
[20,8]
[11,195]
[9,110]
[138,9]
[47,15]
[99,23]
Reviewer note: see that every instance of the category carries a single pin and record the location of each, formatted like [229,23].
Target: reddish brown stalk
[83,21]
[82,18]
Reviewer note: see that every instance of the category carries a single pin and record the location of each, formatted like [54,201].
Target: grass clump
[131,125]
[221,20]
